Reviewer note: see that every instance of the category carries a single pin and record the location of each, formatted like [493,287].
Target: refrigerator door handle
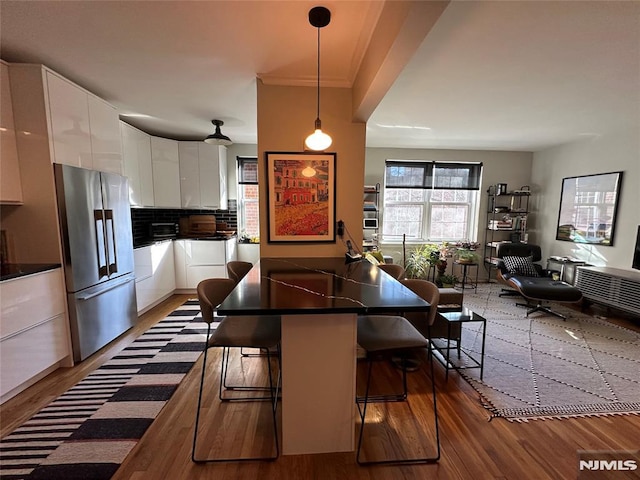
[98,217]
[111,241]
[96,292]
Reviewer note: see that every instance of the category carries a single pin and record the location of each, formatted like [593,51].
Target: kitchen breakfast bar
[319,300]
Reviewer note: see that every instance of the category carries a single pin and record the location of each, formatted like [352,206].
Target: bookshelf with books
[507,216]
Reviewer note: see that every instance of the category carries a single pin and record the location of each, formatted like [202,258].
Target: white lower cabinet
[155,274]
[197,260]
[34,330]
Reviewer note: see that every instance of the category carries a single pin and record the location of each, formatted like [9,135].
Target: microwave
[161,231]
[370,223]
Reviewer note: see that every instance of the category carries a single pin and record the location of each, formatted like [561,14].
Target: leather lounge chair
[517,269]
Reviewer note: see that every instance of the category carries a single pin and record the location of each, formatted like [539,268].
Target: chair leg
[204,367]
[247,354]
[363,413]
[507,292]
[274,403]
[226,353]
[540,308]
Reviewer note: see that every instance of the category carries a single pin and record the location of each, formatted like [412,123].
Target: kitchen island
[319,300]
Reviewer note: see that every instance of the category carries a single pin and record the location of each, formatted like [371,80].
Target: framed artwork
[301,197]
[588,208]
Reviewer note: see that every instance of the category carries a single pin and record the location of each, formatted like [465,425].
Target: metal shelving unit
[507,216]
[371,217]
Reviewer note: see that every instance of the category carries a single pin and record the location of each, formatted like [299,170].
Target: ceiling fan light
[217,138]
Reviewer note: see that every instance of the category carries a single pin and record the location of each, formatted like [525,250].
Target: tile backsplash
[142,217]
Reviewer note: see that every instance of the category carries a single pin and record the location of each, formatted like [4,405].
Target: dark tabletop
[316,286]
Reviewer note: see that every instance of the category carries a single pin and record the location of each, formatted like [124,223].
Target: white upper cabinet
[189,174]
[58,117]
[213,180]
[213,183]
[69,114]
[166,172]
[106,146]
[136,153]
[203,175]
[10,183]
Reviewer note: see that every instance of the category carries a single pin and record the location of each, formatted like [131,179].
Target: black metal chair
[382,336]
[236,332]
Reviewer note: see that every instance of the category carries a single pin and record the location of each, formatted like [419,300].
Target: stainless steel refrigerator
[97,245]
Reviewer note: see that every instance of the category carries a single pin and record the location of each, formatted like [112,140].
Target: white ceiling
[489,75]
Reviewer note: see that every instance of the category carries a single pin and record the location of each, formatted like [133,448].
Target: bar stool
[393,269]
[237,269]
[381,336]
[236,332]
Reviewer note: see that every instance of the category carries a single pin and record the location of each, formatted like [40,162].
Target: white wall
[597,154]
[512,168]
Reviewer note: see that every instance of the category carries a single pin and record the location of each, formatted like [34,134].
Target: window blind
[247,170]
[433,175]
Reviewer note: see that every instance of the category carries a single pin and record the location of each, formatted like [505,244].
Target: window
[248,210]
[429,201]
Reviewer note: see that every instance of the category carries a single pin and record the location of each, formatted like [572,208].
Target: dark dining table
[319,300]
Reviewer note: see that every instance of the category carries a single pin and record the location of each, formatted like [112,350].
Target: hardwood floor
[472,446]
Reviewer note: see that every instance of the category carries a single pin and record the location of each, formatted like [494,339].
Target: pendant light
[218,138]
[319,17]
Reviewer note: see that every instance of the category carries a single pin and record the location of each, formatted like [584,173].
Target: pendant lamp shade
[217,138]
[319,17]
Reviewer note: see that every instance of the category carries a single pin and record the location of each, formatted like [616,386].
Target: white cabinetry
[214,191]
[136,151]
[203,169]
[10,186]
[106,146]
[155,274]
[69,116]
[81,129]
[200,259]
[166,172]
[33,329]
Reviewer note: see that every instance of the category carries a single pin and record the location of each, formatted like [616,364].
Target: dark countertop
[316,286]
[16,270]
[149,241]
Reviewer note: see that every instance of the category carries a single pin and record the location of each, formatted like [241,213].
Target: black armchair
[517,269]
[523,250]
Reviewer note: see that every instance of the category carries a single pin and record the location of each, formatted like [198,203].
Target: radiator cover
[613,287]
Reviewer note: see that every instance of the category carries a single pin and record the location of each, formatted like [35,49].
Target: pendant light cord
[318,107]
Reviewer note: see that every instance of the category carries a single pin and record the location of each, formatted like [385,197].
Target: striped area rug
[88,431]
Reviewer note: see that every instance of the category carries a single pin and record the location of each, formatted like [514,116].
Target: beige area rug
[542,367]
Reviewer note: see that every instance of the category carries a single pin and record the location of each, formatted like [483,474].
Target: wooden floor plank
[472,446]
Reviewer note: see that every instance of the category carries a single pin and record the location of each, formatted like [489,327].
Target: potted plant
[464,255]
[421,259]
[448,280]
